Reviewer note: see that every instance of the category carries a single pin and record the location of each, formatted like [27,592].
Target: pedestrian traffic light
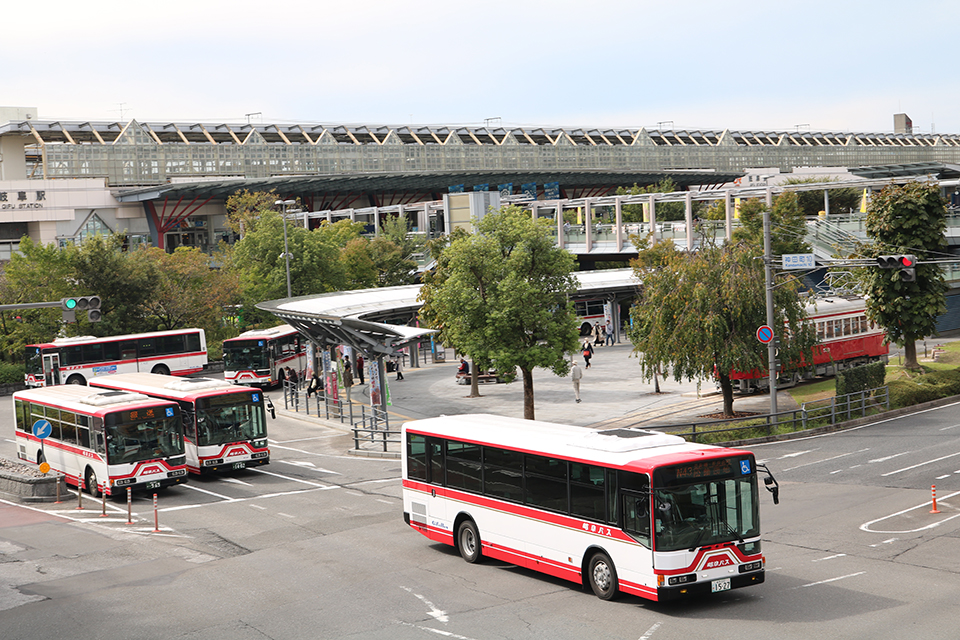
[905,263]
[90,304]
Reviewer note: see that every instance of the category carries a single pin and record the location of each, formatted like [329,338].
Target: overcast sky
[838,65]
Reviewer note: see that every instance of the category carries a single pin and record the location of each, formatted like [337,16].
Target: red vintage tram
[845,339]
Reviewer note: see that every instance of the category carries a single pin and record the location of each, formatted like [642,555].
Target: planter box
[24,484]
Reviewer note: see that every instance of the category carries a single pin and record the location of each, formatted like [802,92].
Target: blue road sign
[764,334]
[42,429]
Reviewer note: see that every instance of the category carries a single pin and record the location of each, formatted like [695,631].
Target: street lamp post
[283,204]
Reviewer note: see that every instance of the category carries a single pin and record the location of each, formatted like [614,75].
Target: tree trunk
[910,356]
[726,388]
[474,381]
[527,394]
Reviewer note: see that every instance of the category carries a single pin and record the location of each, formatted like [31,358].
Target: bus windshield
[226,419]
[33,358]
[245,354]
[132,439]
[706,513]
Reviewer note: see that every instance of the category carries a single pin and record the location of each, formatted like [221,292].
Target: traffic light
[90,304]
[905,263]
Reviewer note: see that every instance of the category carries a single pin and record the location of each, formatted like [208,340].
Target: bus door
[51,368]
[128,351]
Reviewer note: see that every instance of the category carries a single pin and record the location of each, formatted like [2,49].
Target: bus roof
[171,387]
[63,342]
[272,332]
[636,449]
[81,399]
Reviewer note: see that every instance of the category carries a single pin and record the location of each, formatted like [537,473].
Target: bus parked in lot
[224,424]
[101,440]
[622,510]
[258,357]
[76,360]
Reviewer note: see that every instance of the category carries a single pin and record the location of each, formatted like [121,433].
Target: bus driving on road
[101,440]
[622,510]
[76,360]
[258,357]
[224,424]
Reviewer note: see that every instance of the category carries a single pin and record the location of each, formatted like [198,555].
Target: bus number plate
[720,585]
[239,465]
[153,485]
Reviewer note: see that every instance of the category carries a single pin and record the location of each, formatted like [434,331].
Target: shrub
[11,373]
[904,393]
[868,376]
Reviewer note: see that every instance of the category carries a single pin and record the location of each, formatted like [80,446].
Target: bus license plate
[153,485]
[239,465]
[720,585]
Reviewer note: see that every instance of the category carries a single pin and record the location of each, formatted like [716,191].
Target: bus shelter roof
[365,318]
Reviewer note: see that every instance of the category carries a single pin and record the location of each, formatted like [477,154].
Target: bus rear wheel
[468,541]
[161,369]
[76,379]
[92,487]
[603,576]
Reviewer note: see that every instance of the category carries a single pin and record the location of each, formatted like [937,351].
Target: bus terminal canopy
[362,318]
[354,318]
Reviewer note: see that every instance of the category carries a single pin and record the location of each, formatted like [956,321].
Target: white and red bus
[104,441]
[845,339]
[76,360]
[623,510]
[224,424]
[258,357]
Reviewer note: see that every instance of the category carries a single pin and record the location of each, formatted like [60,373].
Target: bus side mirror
[771,484]
[270,407]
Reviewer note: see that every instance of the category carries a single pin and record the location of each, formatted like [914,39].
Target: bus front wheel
[161,369]
[76,379]
[92,487]
[468,541]
[603,576]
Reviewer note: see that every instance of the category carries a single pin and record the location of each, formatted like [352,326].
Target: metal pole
[768,284]
[286,250]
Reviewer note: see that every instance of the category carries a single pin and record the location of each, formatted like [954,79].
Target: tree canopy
[500,295]
[906,219]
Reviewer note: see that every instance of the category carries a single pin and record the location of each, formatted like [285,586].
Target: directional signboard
[42,429]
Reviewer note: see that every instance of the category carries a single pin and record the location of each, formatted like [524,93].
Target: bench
[490,376]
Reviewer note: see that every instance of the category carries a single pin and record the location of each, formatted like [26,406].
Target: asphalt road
[314,546]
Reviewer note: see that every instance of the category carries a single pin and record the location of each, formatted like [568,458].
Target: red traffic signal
[907,262]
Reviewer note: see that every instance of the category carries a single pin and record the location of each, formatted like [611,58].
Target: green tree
[907,219]
[811,202]
[500,295]
[787,222]
[664,210]
[698,314]
[188,292]
[244,209]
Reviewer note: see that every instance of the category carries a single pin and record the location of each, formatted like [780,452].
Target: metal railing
[818,413]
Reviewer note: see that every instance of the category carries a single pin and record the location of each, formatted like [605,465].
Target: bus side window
[636,516]
[193,341]
[416,457]
[22,410]
[111,351]
[98,444]
[68,427]
[128,350]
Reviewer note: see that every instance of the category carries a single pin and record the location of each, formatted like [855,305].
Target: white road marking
[839,555]
[649,632]
[953,426]
[235,481]
[893,473]
[813,584]
[264,496]
[298,463]
[357,484]
[384,501]
[211,493]
[434,612]
[278,475]
[798,453]
[285,515]
[866,526]
[842,455]
[887,541]
[884,459]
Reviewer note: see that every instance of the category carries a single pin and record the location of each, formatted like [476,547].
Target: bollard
[156,516]
[933,490]
[129,505]
[58,490]
[79,496]
[103,500]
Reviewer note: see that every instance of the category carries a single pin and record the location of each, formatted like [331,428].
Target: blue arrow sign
[42,429]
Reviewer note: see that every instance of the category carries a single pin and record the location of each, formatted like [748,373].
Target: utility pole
[768,285]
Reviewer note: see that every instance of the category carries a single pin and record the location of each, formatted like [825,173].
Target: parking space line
[211,493]
[278,475]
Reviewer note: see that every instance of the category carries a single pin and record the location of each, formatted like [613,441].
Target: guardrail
[818,413]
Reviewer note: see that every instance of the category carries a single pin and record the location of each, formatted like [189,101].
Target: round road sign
[764,334]
[42,429]
[44,467]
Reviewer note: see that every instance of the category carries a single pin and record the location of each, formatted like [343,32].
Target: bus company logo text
[236,452]
[439,525]
[597,528]
[150,470]
[717,562]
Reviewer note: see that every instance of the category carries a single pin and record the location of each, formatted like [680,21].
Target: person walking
[398,360]
[360,367]
[597,334]
[587,353]
[609,331]
[576,374]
